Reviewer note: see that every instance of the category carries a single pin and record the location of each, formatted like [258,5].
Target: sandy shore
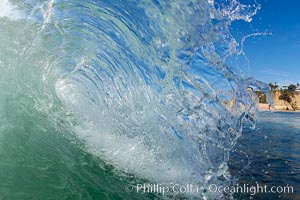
[263,107]
[267,107]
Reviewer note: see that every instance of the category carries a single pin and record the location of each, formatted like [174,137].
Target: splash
[9,11]
[6,8]
[147,82]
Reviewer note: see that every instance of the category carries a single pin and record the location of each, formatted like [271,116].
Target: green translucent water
[45,165]
[39,157]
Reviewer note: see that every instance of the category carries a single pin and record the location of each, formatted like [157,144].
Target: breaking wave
[146,85]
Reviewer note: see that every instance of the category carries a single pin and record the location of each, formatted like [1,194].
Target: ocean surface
[97,97]
[269,155]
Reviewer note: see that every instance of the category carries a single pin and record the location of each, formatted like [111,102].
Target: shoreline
[263,107]
[283,111]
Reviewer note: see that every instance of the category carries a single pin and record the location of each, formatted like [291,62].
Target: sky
[276,57]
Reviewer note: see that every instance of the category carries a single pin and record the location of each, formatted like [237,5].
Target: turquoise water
[99,95]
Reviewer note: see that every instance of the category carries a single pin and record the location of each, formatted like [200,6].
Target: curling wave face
[144,85]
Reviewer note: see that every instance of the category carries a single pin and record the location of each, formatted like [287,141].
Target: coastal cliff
[282,104]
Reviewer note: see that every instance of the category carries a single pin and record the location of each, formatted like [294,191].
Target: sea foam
[8,10]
